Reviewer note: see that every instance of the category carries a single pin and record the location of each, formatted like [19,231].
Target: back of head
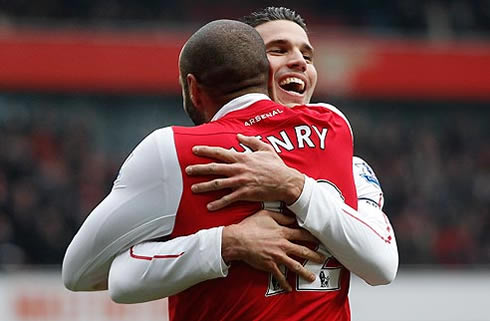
[271,14]
[227,58]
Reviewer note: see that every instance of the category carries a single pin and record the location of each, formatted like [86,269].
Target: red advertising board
[146,62]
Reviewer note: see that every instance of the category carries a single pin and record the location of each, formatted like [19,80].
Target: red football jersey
[314,139]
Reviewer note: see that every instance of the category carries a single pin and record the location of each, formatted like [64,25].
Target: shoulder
[159,138]
[367,184]
[328,107]
[151,160]
[362,169]
[364,174]
[162,135]
[331,108]
[151,149]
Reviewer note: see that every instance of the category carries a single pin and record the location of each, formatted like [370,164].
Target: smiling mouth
[293,84]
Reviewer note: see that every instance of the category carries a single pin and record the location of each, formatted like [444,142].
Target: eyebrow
[276,42]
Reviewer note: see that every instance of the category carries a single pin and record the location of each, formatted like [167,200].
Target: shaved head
[227,59]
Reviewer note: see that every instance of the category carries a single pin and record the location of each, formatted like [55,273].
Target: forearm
[105,233]
[363,240]
[155,270]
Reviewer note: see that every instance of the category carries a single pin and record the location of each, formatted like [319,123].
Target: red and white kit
[152,198]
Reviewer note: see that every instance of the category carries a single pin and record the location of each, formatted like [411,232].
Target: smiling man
[290,55]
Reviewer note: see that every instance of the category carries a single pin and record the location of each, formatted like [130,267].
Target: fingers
[224,201]
[210,169]
[298,234]
[299,269]
[281,278]
[254,143]
[306,253]
[214,185]
[218,153]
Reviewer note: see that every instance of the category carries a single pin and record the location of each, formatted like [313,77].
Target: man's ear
[195,92]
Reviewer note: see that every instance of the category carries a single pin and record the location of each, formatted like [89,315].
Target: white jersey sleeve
[363,240]
[141,205]
[368,187]
[154,270]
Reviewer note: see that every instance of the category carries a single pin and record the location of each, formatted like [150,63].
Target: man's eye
[276,50]
[308,58]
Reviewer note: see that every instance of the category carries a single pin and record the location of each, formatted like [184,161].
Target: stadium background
[82,82]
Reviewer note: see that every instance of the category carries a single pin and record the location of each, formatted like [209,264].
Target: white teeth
[293,80]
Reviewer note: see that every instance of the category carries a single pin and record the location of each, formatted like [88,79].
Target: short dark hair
[259,17]
[226,57]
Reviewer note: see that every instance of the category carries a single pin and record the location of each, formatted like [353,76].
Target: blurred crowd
[433,161]
[50,178]
[433,164]
[439,18]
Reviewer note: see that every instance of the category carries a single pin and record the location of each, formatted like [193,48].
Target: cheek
[275,64]
[313,77]
[274,68]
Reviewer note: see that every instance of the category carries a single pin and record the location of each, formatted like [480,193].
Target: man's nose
[297,61]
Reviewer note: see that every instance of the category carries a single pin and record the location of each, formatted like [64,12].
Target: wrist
[230,243]
[294,187]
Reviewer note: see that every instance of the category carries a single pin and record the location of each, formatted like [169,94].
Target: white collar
[239,103]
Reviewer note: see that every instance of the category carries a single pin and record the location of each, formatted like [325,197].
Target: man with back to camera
[332,251]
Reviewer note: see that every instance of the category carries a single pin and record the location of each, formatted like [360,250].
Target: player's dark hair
[271,14]
[228,58]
